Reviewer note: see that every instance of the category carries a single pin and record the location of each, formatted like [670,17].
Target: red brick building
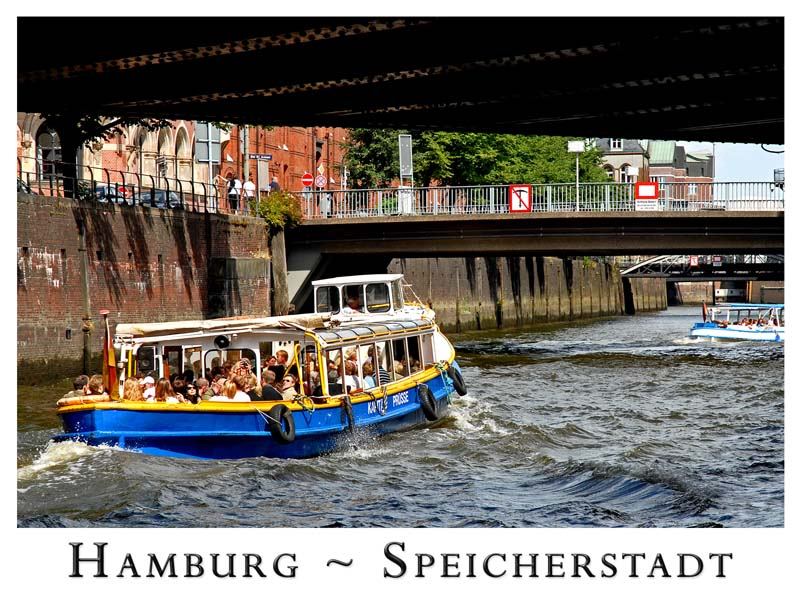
[171,153]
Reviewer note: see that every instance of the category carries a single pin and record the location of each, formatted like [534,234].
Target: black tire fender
[458,380]
[427,402]
[281,423]
[347,408]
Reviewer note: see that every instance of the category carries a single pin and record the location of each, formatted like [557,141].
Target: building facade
[170,155]
[625,161]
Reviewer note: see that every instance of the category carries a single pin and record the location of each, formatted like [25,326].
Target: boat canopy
[375,278]
[150,329]
[371,329]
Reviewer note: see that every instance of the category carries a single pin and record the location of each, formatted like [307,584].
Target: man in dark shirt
[78,385]
[268,391]
[274,186]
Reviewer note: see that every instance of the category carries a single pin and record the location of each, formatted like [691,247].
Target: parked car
[110,194]
[159,197]
[23,187]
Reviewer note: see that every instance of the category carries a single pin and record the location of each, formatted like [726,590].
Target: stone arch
[183,154]
[623,173]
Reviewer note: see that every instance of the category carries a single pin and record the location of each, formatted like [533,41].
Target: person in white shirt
[149,388]
[249,189]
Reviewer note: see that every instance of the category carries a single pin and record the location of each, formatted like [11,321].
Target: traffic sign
[519,198]
[694,260]
[646,196]
[320,180]
[307,179]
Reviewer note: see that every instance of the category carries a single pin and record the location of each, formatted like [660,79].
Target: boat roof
[375,278]
[340,334]
[749,306]
[296,321]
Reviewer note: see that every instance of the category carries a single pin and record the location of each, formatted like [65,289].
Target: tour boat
[415,375]
[750,322]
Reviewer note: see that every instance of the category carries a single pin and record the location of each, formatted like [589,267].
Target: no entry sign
[308,180]
[519,198]
[646,197]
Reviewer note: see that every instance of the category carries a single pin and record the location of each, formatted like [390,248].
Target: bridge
[707,79]
[710,268]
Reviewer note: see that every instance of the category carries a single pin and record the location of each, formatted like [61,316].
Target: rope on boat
[299,400]
[266,417]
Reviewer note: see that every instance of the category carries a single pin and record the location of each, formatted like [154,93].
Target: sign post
[577,148]
[519,199]
[646,197]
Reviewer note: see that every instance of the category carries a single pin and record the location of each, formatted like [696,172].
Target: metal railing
[120,187]
[557,197]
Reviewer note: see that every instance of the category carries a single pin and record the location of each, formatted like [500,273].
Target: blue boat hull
[210,434]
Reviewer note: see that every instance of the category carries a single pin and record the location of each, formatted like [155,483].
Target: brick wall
[145,265]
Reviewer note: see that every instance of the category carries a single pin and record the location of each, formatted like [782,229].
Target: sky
[740,162]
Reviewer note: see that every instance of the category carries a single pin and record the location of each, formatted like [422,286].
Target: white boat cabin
[355,297]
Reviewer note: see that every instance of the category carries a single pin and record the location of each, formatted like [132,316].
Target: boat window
[328,299]
[400,367]
[333,362]
[223,357]
[414,358]
[367,367]
[384,358]
[311,371]
[427,350]
[172,357]
[397,294]
[353,296]
[378,297]
[147,361]
[192,359]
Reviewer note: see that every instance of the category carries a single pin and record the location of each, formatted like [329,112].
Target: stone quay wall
[144,265]
[492,292]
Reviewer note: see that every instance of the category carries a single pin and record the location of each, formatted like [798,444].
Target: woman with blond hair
[131,390]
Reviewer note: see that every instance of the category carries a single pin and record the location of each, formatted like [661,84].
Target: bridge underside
[712,79]
[553,234]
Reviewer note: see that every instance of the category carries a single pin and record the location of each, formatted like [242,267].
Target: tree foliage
[468,159]
[280,209]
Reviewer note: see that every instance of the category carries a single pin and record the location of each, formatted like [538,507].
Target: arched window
[609,171]
[48,152]
[624,177]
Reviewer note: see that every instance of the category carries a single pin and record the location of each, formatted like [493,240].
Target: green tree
[469,158]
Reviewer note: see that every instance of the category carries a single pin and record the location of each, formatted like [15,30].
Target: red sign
[647,190]
[694,261]
[308,180]
[646,197]
[519,198]
[320,180]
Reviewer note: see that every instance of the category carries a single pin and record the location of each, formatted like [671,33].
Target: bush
[280,210]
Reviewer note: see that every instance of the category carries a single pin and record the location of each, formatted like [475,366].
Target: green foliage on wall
[280,210]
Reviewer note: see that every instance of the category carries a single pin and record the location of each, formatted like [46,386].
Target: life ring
[427,402]
[347,407]
[83,399]
[281,423]
[458,380]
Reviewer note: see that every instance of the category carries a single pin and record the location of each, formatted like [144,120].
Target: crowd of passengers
[751,322]
[238,382]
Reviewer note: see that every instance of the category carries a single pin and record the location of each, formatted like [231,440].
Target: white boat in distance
[748,322]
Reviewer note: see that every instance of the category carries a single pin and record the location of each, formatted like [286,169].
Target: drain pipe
[86,325]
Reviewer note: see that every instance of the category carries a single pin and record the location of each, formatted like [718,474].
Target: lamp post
[577,148]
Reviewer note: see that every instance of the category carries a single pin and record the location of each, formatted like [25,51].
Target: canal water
[613,423]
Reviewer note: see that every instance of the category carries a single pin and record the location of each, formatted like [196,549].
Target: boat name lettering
[378,406]
[399,399]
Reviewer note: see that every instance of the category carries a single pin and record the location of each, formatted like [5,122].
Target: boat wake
[57,456]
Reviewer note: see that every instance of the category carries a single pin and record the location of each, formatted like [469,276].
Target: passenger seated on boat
[268,390]
[252,387]
[288,391]
[149,384]
[353,305]
[239,382]
[132,390]
[192,394]
[282,358]
[78,387]
[351,376]
[202,389]
[179,386]
[165,393]
[94,387]
[369,375]
[399,370]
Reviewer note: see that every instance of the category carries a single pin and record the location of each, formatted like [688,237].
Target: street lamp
[576,148]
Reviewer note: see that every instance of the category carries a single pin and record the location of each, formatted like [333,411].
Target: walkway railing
[558,197]
[103,185]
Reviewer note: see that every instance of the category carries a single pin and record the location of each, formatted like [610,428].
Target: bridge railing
[103,185]
[554,197]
